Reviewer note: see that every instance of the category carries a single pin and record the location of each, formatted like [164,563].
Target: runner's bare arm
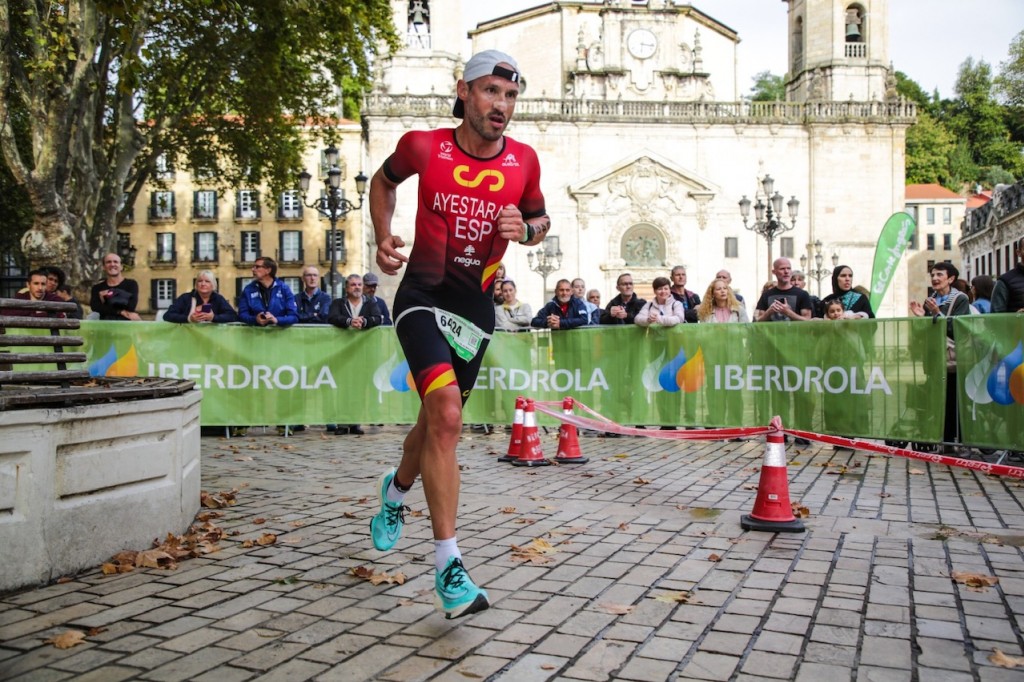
[512,227]
[382,208]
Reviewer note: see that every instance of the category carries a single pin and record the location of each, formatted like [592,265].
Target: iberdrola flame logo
[110,365]
[393,375]
[998,380]
[678,374]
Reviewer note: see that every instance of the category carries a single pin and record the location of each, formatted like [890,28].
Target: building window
[786,247]
[988,270]
[204,204]
[732,248]
[930,215]
[947,241]
[855,23]
[290,247]
[947,216]
[290,205]
[240,284]
[247,204]
[250,246]
[294,283]
[163,169]
[339,252]
[931,264]
[12,275]
[161,205]
[164,292]
[126,212]
[930,242]
[912,210]
[913,245]
[165,247]
[205,247]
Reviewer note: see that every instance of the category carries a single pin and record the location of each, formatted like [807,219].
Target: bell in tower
[419,23]
[853,22]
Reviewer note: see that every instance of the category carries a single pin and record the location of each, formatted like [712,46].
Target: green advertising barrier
[866,378]
[990,379]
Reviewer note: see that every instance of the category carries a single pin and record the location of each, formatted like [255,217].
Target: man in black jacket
[623,308]
[1008,294]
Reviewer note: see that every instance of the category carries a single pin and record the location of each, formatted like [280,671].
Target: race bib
[461,334]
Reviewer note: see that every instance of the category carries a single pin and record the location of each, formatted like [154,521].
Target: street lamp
[545,260]
[767,216]
[333,205]
[818,272]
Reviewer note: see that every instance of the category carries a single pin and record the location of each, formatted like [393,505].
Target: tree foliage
[929,146]
[224,87]
[768,87]
[1010,81]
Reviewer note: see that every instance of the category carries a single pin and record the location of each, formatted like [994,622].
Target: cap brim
[459,110]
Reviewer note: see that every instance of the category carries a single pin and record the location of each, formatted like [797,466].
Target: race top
[460,196]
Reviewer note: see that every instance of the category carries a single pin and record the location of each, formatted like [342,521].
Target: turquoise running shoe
[386,525]
[455,594]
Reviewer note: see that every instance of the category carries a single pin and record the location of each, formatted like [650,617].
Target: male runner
[478,191]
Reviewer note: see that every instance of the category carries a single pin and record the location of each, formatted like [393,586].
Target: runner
[478,191]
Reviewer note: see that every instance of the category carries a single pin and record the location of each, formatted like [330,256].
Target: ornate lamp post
[817,272]
[333,205]
[767,216]
[545,260]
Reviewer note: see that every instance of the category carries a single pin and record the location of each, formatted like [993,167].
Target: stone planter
[79,484]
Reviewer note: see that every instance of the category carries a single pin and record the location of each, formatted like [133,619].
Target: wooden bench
[61,384]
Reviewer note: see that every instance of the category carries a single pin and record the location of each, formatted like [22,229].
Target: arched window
[419,24]
[856,24]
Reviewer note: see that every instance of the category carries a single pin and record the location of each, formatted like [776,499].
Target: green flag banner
[865,378]
[990,379]
[892,242]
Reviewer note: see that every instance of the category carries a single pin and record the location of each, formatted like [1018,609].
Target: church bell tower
[432,39]
[838,50]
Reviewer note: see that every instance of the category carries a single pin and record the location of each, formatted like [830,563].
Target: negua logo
[678,374]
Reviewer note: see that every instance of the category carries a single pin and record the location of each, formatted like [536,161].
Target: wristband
[529,233]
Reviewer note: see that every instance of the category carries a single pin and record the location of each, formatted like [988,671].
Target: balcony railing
[163,259]
[634,111]
[289,256]
[204,257]
[323,256]
[162,215]
[245,257]
[285,215]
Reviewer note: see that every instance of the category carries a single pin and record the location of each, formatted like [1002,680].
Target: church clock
[642,43]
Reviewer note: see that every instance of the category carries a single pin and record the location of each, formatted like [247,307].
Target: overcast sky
[928,39]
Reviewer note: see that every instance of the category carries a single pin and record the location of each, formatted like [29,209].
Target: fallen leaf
[641,481]
[885,494]
[259,520]
[623,526]
[64,579]
[748,487]
[416,513]
[508,510]
[348,515]
[800,511]
[155,558]
[524,520]
[674,597]
[1003,661]
[547,666]
[534,552]
[92,632]
[616,609]
[287,447]
[67,639]
[297,524]
[546,506]
[976,582]
[108,569]
[916,472]
[620,456]
[243,459]
[375,578]
[266,539]
[714,557]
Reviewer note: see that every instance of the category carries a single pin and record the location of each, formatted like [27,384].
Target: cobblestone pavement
[864,594]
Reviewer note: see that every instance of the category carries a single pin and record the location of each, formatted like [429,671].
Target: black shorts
[433,363]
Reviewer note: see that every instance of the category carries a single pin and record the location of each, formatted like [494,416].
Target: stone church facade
[645,142]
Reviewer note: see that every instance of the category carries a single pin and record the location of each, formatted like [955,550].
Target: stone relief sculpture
[643,246]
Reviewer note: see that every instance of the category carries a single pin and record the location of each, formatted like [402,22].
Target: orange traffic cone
[515,444]
[568,440]
[772,510]
[531,454]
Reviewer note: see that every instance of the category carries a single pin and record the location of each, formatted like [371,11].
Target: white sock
[393,494]
[445,550]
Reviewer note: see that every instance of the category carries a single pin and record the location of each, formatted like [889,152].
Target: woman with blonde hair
[720,305]
[202,304]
